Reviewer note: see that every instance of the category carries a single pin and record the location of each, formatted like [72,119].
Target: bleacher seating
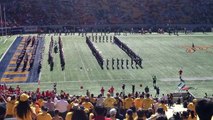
[64,12]
[122,103]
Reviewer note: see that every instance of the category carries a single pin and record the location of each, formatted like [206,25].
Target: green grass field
[4,43]
[163,56]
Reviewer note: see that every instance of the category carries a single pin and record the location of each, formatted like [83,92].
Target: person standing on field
[180,74]
[154,78]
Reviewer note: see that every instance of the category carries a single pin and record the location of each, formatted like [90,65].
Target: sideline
[7,49]
[76,81]
[113,80]
[188,79]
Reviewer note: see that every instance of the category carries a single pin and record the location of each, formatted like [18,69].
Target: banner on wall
[30,29]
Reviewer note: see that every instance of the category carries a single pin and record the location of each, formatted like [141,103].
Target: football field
[5,43]
[162,55]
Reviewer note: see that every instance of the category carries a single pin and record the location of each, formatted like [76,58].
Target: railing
[103,28]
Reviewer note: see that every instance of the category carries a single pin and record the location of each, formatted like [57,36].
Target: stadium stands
[84,12]
[119,106]
[137,105]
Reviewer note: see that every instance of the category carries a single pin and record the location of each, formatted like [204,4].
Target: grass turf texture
[163,56]
[5,43]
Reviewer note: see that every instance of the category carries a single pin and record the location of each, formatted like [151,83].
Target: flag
[38,82]
[181,85]
[185,88]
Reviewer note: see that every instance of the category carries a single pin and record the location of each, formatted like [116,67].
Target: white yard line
[82,62]
[5,41]
[7,50]
[118,80]
[85,81]
[188,79]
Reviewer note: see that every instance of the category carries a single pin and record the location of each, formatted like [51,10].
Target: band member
[127,62]
[154,78]
[117,61]
[140,62]
[113,60]
[99,38]
[107,62]
[103,37]
[122,62]
[132,61]
[193,46]
[180,73]
[93,38]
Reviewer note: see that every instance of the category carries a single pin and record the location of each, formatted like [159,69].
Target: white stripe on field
[7,50]
[92,81]
[188,79]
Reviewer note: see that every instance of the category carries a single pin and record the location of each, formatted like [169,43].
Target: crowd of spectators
[81,12]
[47,105]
